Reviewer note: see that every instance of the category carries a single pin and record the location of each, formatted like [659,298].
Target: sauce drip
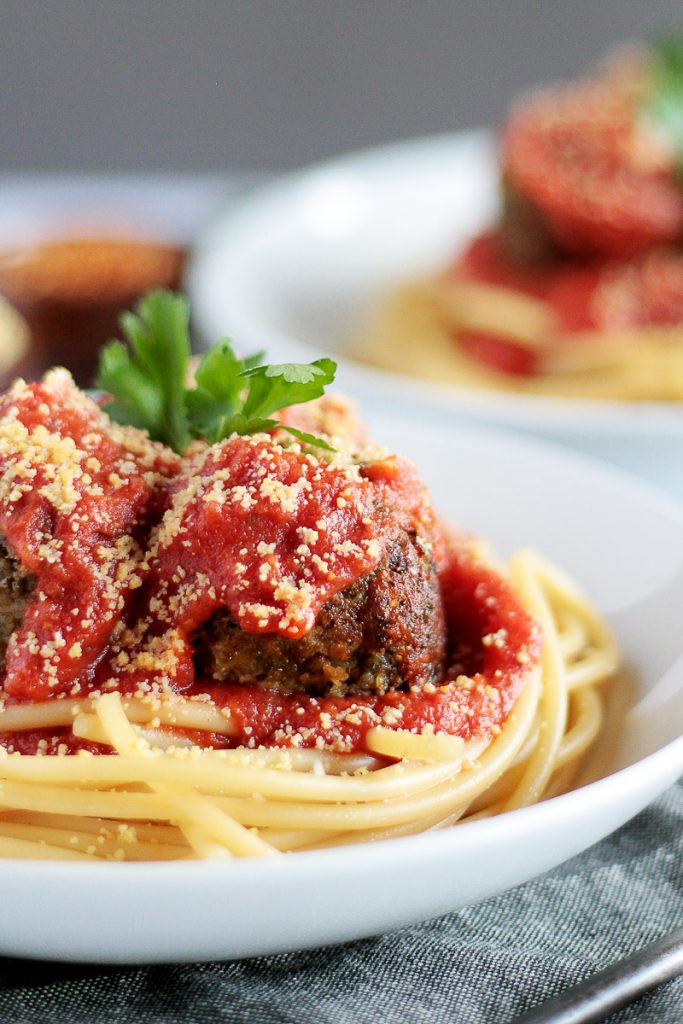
[76,494]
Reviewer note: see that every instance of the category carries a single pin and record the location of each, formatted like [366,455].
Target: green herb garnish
[147,379]
[664,105]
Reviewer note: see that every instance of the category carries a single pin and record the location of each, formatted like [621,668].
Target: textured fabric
[482,965]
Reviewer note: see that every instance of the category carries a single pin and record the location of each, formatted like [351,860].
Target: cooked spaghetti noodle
[417,329]
[161,797]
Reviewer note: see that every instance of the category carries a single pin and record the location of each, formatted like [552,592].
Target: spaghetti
[163,797]
[442,329]
[256,648]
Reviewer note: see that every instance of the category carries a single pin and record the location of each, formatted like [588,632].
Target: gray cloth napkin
[482,965]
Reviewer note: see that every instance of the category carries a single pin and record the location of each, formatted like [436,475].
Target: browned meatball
[385,632]
[523,235]
[15,589]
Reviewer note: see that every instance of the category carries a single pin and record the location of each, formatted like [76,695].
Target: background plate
[296,267]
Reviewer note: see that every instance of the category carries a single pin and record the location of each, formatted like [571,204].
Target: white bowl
[624,545]
[297,266]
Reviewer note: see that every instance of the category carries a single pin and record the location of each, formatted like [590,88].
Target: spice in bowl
[72,291]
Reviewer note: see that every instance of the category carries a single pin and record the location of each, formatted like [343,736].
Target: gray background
[250,84]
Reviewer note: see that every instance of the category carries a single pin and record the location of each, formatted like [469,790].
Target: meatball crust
[16,586]
[384,632]
[524,237]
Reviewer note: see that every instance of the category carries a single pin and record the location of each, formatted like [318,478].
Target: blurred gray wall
[227,84]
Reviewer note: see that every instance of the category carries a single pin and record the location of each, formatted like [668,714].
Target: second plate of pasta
[306,263]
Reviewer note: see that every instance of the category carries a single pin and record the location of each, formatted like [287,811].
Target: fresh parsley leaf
[664,105]
[147,380]
[310,439]
[138,399]
[275,387]
[297,373]
[241,424]
[218,374]
[254,360]
[216,396]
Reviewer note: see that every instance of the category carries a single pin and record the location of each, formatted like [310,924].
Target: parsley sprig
[664,105]
[147,378]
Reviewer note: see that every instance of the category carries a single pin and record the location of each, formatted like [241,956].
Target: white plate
[296,268]
[622,544]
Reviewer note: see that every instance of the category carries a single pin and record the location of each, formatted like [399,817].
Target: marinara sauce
[132,549]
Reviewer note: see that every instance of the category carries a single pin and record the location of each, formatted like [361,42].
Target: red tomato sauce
[601,295]
[567,289]
[77,494]
[270,534]
[602,184]
[266,532]
[494,644]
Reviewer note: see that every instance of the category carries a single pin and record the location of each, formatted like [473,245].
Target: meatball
[524,236]
[573,156]
[384,632]
[15,589]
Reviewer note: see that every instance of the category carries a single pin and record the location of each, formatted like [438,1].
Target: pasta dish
[252,634]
